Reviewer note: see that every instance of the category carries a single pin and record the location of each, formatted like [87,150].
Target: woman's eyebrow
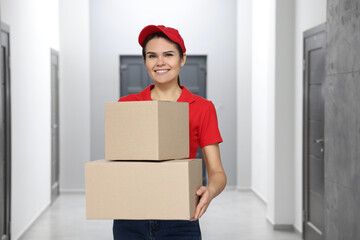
[171,51]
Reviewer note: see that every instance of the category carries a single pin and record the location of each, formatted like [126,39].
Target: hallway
[283,76]
[232,215]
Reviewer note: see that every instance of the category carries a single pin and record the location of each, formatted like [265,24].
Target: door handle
[320,140]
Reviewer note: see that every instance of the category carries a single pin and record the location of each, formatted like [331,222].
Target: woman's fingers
[200,210]
[203,210]
[203,203]
[201,191]
[197,211]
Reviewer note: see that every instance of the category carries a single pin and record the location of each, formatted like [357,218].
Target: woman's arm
[216,179]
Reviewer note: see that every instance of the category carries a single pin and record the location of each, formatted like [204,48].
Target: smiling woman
[160,35]
[164,55]
[163,60]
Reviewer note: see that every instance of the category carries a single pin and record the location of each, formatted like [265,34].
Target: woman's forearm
[216,183]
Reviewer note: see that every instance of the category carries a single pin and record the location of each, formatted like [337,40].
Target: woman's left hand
[216,179]
[205,199]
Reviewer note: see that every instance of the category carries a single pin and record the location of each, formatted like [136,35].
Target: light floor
[231,216]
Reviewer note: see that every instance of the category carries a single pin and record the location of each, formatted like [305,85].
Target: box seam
[189,187]
[157,130]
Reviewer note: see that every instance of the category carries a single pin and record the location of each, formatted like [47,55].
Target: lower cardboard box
[142,190]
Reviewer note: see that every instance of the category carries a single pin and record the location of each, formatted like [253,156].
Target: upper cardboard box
[146,130]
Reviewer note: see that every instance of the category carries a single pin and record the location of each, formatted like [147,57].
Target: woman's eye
[168,55]
[152,56]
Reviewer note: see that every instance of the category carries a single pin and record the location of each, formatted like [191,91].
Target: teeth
[161,71]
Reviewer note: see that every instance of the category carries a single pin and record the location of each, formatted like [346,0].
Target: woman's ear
[183,60]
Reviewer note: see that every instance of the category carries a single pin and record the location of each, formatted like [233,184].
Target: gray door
[55,158]
[133,74]
[193,75]
[313,152]
[5,148]
[134,78]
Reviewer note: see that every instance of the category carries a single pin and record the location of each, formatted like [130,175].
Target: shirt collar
[186,95]
[145,95]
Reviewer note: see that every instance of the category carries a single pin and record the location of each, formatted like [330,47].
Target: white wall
[243,93]
[270,173]
[273,104]
[33,31]
[309,14]
[273,116]
[273,60]
[261,78]
[284,113]
[74,93]
[208,27]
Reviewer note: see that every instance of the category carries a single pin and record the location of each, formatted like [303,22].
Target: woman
[164,55]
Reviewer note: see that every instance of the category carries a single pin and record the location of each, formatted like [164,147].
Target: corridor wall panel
[342,121]
[33,31]
[309,14]
[244,93]
[74,93]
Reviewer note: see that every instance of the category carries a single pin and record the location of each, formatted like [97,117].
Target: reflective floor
[231,216]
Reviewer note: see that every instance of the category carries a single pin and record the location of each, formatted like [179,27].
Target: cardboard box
[142,190]
[146,130]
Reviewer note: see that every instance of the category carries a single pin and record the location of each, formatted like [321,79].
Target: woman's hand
[205,199]
[216,179]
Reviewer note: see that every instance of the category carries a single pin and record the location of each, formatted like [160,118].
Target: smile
[161,71]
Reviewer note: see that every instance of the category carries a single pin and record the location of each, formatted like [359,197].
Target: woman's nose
[160,61]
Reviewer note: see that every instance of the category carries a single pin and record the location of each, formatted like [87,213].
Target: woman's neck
[166,92]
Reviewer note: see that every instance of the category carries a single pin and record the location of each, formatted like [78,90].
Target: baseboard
[298,232]
[284,227]
[269,220]
[27,227]
[259,196]
[72,190]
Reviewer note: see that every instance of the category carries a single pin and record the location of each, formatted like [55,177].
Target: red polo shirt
[203,124]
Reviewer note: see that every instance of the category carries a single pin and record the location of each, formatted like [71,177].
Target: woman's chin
[164,82]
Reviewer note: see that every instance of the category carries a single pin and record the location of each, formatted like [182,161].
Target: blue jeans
[156,230]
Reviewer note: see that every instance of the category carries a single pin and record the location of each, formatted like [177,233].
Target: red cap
[171,33]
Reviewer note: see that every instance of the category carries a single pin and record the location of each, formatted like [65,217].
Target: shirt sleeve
[209,131]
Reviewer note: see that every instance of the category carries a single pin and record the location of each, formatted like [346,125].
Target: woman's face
[162,60]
